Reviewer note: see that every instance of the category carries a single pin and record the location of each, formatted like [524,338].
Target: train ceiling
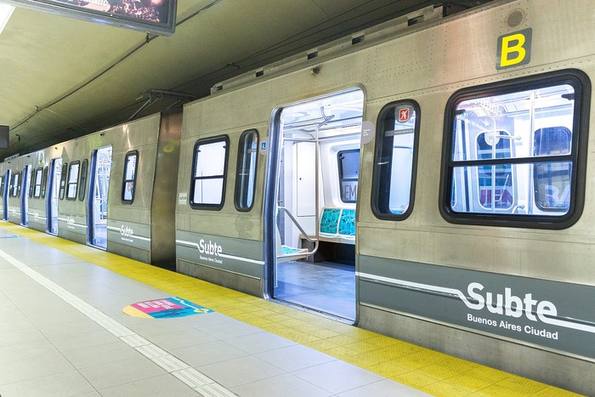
[61,77]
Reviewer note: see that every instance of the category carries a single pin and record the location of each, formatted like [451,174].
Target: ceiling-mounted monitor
[153,16]
[4,136]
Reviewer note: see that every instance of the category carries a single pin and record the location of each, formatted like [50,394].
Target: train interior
[101,168]
[319,161]
[526,124]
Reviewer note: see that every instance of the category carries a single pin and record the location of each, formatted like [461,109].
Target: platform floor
[63,333]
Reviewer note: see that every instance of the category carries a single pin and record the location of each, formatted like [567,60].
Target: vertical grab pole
[316,185]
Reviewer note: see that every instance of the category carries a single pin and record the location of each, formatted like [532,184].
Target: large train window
[2,186]
[32,177]
[348,174]
[513,156]
[16,186]
[37,179]
[246,170]
[129,180]
[209,171]
[395,160]
[63,181]
[44,181]
[73,180]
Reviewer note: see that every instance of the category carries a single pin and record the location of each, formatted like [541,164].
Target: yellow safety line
[433,372]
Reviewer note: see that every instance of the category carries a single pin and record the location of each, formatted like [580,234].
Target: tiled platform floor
[250,346]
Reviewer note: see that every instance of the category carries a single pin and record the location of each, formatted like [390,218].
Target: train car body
[113,189]
[473,224]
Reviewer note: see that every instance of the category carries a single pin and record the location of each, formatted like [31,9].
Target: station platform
[64,332]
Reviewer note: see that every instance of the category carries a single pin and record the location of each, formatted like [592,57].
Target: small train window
[129,179]
[38,179]
[32,176]
[63,181]
[1,186]
[395,160]
[246,170]
[209,171]
[73,180]
[44,182]
[512,155]
[348,174]
[83,183]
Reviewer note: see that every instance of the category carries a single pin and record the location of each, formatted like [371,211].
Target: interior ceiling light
[5,13]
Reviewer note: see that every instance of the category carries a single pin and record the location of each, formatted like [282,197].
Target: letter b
[514,49]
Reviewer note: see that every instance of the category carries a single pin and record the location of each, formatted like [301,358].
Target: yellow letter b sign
[514,49]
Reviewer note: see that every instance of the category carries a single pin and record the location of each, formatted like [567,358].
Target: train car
[426,180]
[112,189]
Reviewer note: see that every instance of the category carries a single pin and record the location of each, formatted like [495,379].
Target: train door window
[83,179]
[525,168]
[63,176]
[129,179]
[348,174]
[1,186]
[246,170]
[395,160]
[44,182]
[32,183]
[209,173]
[17,185]
[37,180]
[73,180]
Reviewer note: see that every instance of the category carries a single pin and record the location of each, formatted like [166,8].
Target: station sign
[153,16]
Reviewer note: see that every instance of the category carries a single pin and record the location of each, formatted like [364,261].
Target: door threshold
[311,310]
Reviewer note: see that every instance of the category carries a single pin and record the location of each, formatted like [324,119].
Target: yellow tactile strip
[424,369]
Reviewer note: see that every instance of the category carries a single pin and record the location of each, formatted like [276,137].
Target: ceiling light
[5,13]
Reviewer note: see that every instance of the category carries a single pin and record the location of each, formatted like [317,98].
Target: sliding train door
[52,196]
[26,181]
[313,173]
[5,193]
[101,166]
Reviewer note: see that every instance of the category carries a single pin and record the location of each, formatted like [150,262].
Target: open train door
[311,203]
[101,165]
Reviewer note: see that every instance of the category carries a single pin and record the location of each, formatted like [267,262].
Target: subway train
[428,178]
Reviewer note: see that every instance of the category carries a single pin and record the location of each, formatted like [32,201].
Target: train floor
[64,332]
[325,286]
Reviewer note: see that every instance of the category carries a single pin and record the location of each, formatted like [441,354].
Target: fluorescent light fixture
[5,13]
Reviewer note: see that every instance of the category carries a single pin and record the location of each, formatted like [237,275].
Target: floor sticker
[165,308]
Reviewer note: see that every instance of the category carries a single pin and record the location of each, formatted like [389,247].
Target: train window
[512,155]
[73,180]
[32,176]
[348,174]
[44,182]
[37,180]
[83,183]
[1,186]
[395,160]
[246,170]
[63,181]
[209,166]
[129,179]
[16,192]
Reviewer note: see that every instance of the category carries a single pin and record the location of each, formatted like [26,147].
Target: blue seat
[329,221]
[347,223]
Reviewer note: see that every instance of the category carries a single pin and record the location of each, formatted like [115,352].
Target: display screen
[155,16]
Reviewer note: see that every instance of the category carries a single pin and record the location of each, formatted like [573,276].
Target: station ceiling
[61,77]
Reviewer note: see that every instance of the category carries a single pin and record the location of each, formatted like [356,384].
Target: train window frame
[132,153]
[83,171]
[240,160]
[581,84]
[2,182]
[377,175]
[193,178]
[76,183]
[18,184]
[44,181]
[62,187]
[342,178]
[32,182]
[37,182]
[16,179]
